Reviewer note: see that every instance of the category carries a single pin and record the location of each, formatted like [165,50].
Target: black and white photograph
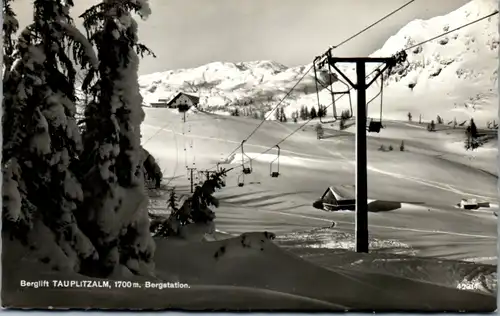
[250,155]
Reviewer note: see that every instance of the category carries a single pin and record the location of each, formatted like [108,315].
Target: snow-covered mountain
[218,84]
[454,76]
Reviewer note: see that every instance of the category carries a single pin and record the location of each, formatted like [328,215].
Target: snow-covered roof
[343,192]
[193,98]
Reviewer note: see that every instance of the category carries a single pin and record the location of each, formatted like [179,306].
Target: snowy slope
[257,83]
[453,76]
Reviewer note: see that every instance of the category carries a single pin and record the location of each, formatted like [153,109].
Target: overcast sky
[190,33]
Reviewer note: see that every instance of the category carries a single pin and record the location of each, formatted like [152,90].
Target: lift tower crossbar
[361,117]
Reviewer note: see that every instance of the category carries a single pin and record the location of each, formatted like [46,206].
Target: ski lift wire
[375,23]
[312,66]
[452,30]
[272,111]
[295,130]
[377,68]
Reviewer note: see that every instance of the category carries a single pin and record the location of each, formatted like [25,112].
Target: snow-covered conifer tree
[41,139]
[115,202]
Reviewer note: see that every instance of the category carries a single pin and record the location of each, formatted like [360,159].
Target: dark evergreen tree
[409,117]
[282,116]
[342,123]
[345,115]
[195,209]
[307,113]
[320,111]
[277,115]
[152,171]
[313,113]
[301,112]
[473,128]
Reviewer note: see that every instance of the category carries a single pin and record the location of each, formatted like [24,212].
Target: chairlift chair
[275,174]
[334,106]
[333,78]
[246,170]
[375,125]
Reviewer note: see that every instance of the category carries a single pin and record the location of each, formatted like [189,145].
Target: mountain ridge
[454,76]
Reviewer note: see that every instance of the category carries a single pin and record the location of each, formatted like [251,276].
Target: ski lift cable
[162,128]
[375,23]
[452,30]
[301,126]
[408,48]
[350,38]
[371,73]
[436,37]
[378,69]
[294,131]
[272,111]
[312,66]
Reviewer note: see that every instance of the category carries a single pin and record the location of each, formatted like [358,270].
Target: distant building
[159,104]
[184,99]
[178,99]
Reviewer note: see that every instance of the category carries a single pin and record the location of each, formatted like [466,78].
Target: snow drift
[237,269]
